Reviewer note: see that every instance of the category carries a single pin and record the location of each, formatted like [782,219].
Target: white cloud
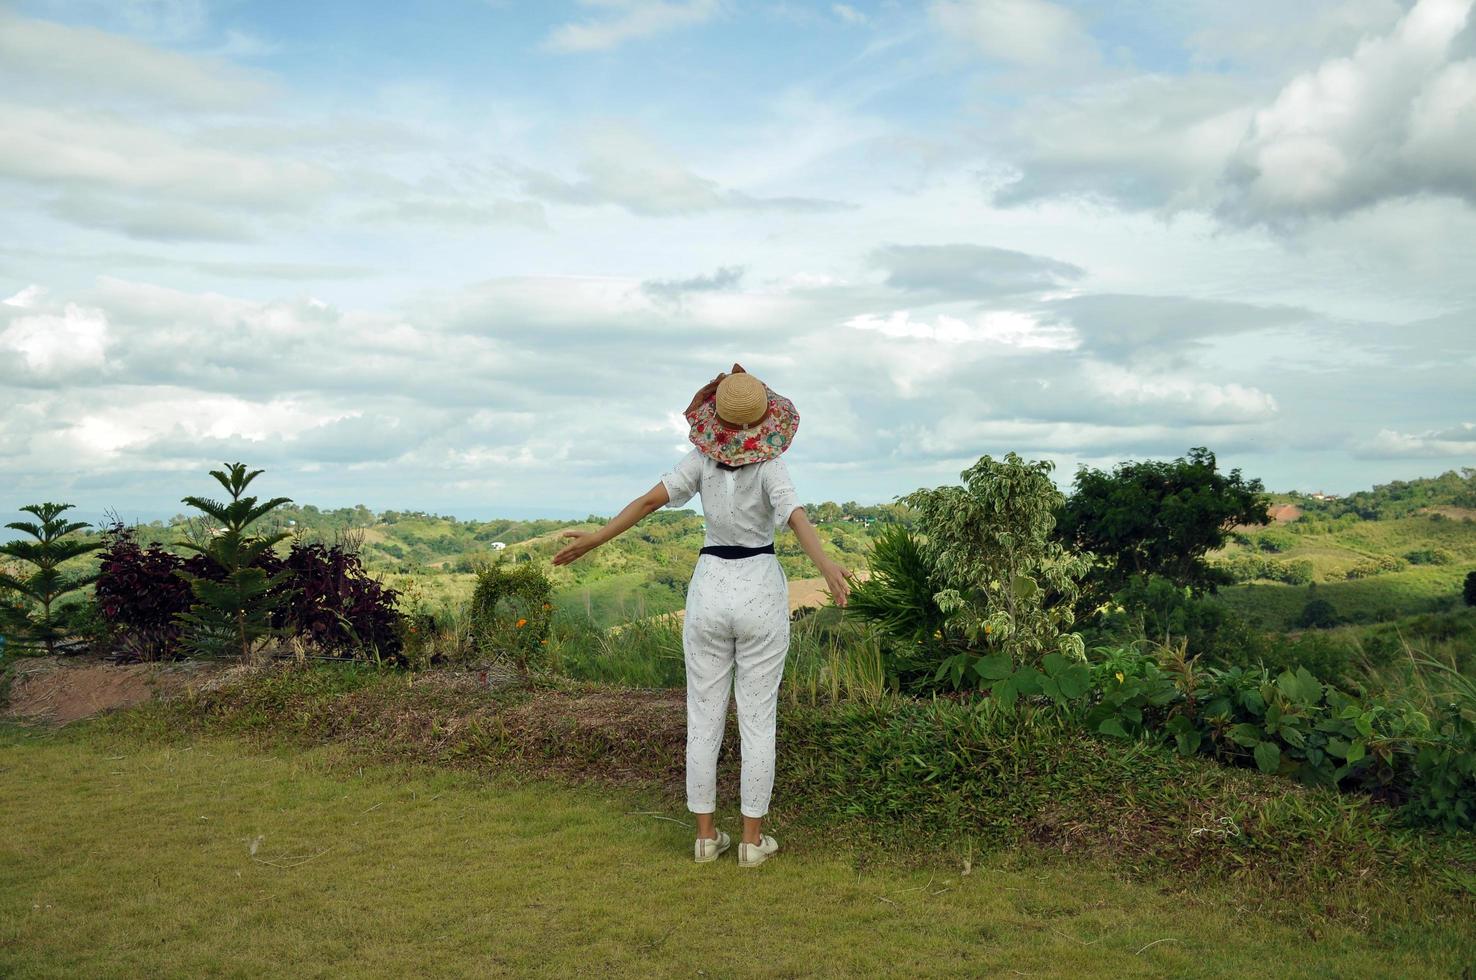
[621,166]
[1181,398]
[53,346]
[848,14]
[1002,328]
[104,151]
[1031,33]
[84,61]
[629,20]
[1393,119]
[1456,441]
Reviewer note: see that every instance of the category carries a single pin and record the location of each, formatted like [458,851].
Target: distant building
[498,545]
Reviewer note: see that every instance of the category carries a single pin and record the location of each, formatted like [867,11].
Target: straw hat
[742,399]
[744,422]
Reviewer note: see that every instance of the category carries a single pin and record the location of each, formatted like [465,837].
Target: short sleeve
[780,490]
[684,479]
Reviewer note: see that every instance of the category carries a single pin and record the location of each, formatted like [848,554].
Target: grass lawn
[128,858]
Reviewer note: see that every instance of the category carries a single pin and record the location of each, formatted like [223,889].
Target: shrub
[43,588]
[1429,556]
[331,602]
[139,595]
[1275,540]
[1247,568]
[1330,658]
[1291,723]
[322,595]
[511,609]
[1318,614]
[898,598]
[1155,609]
[1376,565]
[1008,589]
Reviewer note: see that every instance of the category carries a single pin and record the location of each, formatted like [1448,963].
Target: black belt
[736,550]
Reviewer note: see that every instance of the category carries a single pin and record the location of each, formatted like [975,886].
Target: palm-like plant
[233,614]
[47,584]
[898,598]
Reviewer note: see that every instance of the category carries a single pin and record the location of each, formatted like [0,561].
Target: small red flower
[750,443]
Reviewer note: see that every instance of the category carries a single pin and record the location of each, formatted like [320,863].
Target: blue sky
[474,257]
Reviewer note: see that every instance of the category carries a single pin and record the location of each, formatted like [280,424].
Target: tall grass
[833,658]
[830,658]
[641,653]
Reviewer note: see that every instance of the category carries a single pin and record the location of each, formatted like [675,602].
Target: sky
[474,257]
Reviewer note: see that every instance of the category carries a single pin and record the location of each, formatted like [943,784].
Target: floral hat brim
[738,447]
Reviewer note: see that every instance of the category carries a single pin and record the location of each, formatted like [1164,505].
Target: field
[255,860]
[1333,551]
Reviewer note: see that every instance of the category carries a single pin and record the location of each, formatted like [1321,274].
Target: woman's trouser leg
[761,648]
[707,648]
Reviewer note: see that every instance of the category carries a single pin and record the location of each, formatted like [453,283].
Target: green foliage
[37,622]
[1318,614]
[1376,565]
[1131,694]
[898,598]
[1158,518]
[232,614]
[1291,723]
[1275,539]
[1430,556]
[1157,610]
[1446,792]
[1249,567]
[511,610]
[1007,588]
[1401,498]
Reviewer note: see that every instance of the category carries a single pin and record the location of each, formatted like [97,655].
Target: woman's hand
[584,542]
[835,576]
[710,389]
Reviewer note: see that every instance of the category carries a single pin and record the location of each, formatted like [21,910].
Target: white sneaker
[750,855]
[708,850]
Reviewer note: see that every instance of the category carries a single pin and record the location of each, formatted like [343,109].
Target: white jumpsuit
[736,632]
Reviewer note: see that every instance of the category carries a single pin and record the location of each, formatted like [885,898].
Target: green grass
[1420,589]
[128,858]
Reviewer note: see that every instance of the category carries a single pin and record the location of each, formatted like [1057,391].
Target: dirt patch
[1278,514]
[57,691]
[1453,513]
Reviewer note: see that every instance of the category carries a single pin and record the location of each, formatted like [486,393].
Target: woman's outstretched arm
[835,573]
[584,541]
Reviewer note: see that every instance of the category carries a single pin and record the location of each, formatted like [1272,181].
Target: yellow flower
[1120,678]
[987,629]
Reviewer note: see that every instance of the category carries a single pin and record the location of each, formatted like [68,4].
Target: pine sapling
[233,615]
[47,584]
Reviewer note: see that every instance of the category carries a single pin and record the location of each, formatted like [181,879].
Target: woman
[735,634]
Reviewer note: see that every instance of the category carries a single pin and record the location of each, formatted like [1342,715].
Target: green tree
[1158,518]
[47,584]
[1008,587]
[232,615]
[1318,614]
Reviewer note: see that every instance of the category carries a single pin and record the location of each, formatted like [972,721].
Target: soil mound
[57,690]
